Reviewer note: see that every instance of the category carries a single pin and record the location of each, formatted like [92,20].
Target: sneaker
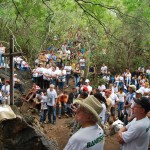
[59,117]
[66,115]
[45,122]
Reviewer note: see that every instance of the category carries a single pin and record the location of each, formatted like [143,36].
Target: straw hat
[92,104]
[133,87]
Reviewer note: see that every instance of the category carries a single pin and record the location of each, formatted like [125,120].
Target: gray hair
[52,85]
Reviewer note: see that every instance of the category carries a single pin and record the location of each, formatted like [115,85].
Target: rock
[17,134]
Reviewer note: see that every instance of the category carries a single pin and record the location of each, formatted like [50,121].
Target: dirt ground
[61,133]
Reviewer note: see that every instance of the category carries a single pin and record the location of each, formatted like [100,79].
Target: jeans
[1,60]
[106,117]
[128,81]
[43,115]
[67,78]
[69,109]
[60,109]
[120,108]
[53,81]
[51,112]
[77,79]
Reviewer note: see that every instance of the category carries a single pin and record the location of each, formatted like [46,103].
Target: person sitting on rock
[31,94]
[17,84]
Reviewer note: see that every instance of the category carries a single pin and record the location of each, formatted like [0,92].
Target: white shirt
[114,98]
[68,69]
[44,102]
[148,71]
[40,71]
[89,89]
[121,96]
[88,138]
[18,59]
[102,114]
[102,87]
[104,69]
[46,72]
[82,62]
[6,90]
[144,90]
[52,95]
[137,135]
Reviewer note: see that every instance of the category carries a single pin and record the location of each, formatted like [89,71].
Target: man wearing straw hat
[90,136]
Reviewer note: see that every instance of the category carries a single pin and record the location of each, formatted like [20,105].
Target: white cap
[139,92]
[15,74]
[0,80]
[87,80]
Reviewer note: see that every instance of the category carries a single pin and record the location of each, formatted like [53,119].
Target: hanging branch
[49,27]
[48,7]
[20,50]
[21,16]
[116,10]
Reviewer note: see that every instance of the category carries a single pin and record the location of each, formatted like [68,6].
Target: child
[44,107]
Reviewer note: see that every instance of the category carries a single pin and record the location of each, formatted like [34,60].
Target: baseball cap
[85,89]
[107,91]
[144,102]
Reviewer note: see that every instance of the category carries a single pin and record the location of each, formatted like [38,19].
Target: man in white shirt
[90,135]
[51,103]
[135,135]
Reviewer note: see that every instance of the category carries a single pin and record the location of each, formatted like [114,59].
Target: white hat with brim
[139,92]
[92,104]
[133,87]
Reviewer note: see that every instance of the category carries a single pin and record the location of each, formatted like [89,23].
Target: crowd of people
[121,100]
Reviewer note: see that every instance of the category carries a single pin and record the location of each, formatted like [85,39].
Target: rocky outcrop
[17,134]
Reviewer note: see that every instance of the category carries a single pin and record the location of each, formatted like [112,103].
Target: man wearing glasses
[90,136]
[135,135]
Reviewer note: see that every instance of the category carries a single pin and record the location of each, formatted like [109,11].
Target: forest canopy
[114,31]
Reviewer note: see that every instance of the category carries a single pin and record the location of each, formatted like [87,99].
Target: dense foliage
[114,31]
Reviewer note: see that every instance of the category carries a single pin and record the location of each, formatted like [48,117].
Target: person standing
[68,69]
[2,51]
[43,107]
[135,135]
[76,74]
[72,95]
[121,99]
[90,135]
[51,103]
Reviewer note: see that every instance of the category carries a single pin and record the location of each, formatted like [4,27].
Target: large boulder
[17,134]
